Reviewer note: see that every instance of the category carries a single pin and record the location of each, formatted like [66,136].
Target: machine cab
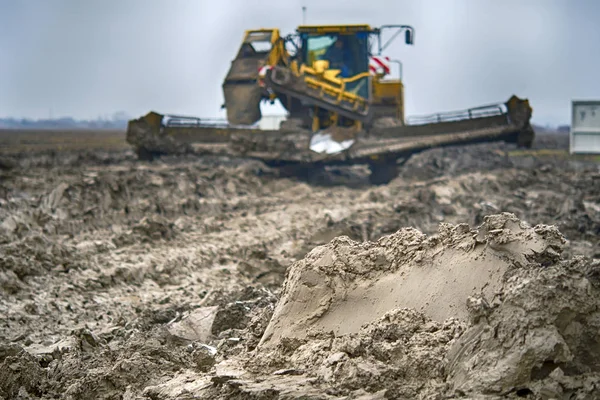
[345,49]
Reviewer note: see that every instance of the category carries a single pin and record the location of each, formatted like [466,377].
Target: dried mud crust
[128,280]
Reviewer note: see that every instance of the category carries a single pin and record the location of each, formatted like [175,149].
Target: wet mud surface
[213,278]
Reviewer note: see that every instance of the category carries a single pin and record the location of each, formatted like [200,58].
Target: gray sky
[86,58]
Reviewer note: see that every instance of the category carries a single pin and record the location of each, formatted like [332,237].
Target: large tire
[526,137]
[301,172]
[145,154]
[383,173]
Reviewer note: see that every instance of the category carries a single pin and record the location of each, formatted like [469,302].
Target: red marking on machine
[262,72]
[379,64]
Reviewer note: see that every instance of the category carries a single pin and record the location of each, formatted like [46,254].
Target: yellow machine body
[326,78]
[311,88]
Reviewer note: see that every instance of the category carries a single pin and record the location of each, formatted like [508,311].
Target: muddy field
[474,274]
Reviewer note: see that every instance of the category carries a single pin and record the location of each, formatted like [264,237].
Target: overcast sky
[86,58]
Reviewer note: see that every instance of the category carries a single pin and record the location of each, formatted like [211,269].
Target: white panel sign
[585,127]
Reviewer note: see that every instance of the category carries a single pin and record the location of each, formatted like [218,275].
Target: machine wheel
[301,172]
[383,173]
[526,137]
[144,154]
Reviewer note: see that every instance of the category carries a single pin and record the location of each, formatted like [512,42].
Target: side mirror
[408,36]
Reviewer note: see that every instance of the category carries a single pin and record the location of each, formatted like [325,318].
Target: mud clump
[542,338]
[20,376]
[149,229]
[341,286]
[32,256]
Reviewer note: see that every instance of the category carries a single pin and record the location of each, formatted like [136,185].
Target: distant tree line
[551,129]
[117,121]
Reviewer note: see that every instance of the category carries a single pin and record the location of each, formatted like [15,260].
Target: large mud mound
[492,312]
[344,285]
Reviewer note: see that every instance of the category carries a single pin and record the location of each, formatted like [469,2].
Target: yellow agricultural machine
[342,107]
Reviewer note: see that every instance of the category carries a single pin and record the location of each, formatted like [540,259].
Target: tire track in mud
[209,258]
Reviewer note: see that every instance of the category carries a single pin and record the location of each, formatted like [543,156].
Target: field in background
[34,140]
